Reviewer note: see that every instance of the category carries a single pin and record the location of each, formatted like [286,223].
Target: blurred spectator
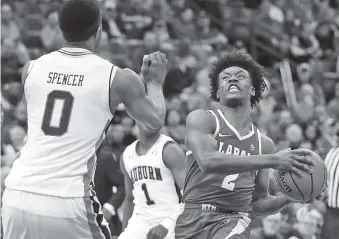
[128,125]
[270,228]
[14,55]
[136,17]
[333,105]
[304,45]
[174,126]
[205,32]
[109,21]
[308,221]
[159,32]
[109,187]
[9,28]
[182,25]
[51,35]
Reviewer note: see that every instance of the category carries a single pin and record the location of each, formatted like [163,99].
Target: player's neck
[239,117]
[146,142]
[83,45]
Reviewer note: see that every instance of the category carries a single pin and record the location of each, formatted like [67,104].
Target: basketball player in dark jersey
[229,159]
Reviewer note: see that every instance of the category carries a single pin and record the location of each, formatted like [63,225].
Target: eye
[226,77]
[241,76]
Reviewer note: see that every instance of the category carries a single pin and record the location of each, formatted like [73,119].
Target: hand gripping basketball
[154,67]
[293,161]
[301,189]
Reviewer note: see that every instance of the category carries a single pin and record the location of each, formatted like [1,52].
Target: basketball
[306,188]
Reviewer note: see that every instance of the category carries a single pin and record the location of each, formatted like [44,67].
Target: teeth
[233,89]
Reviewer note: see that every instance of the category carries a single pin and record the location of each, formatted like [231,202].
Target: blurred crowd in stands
[297,41]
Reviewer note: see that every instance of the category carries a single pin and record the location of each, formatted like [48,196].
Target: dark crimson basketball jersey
[228,191]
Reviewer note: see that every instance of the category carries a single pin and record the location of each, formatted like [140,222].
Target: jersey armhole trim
[162,151]
[111,77]
[217,128]
[23,81]
[30,67]
[259,141]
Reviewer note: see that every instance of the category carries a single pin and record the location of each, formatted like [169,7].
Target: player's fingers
[302,152]
[303,159]
[302,167]
[163,58]
[156,57]
[145,59]
[295,171]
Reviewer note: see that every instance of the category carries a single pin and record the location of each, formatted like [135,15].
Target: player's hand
[157,232]
[154,67]
[293,161]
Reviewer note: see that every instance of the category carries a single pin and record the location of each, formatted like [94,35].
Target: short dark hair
[244,61]
[79,19]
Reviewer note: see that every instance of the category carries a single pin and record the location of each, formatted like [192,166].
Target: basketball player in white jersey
[154,170]
[71,96]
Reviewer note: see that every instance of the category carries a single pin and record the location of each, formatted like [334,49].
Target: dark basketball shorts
[203,223]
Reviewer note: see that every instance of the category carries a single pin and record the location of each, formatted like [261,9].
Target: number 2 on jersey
[228,182]
[65,115]
[148,199]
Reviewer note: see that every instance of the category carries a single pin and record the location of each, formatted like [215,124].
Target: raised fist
[154,67]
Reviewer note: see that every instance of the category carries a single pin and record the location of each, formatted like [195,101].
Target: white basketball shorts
[31,216]
[138,227]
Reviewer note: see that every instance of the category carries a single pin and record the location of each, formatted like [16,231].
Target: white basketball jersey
[154,188]
[67,95]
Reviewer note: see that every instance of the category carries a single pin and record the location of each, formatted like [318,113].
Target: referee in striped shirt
[331,223]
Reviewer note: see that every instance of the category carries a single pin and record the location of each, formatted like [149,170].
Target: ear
[218,95]
[252,91]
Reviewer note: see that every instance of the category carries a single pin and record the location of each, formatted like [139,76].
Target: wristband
[167,223]
[109,208]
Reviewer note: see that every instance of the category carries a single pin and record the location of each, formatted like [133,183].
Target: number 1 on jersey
[228,182]
[148,199]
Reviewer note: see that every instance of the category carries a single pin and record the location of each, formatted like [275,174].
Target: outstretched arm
[200,126]
[128,88]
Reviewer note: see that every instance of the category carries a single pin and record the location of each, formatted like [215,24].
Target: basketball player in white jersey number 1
[154,169]
[71,95]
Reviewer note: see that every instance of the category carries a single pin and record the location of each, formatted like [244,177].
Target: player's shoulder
[200,119]
[126,79]
[267,144]
[129,149]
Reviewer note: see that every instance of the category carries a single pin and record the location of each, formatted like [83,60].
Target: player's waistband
[210,207]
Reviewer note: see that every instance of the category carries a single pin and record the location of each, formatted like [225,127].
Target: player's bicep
[263,175]
[199,136]
[132,94]
[174,159]
[127,181]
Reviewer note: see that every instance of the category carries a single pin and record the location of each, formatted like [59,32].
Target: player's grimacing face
[235,83]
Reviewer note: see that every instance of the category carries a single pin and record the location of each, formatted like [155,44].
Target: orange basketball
[306,188]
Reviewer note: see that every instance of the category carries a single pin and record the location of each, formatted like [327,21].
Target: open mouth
[233,88]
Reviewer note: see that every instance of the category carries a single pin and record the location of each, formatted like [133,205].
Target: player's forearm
[169,221]
[218,162]
[269,205]
[156,95]
[128,207]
